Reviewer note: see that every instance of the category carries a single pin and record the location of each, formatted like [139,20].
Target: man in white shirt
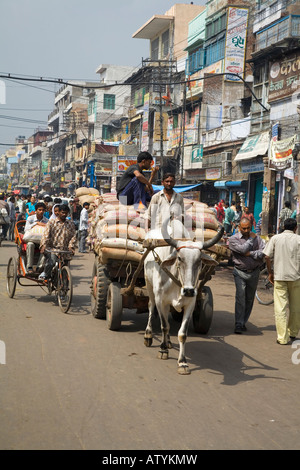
[284,250]
[33,220]
[164,202]
[83,227]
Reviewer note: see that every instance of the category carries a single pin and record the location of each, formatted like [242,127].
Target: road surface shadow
[208,352]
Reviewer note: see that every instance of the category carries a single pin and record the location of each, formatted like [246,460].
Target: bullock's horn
[215,239]
[165,234]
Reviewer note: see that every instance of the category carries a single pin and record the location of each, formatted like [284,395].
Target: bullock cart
[118,282]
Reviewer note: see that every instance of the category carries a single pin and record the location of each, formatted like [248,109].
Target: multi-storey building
[156,87]
[216,102]
[69,124]
[275,63]
[107,110]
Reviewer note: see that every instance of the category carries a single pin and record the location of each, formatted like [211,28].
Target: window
[175,121]
[92,108]
[165,44]
[106,134]
[215,52]
[154,49]
[109,102]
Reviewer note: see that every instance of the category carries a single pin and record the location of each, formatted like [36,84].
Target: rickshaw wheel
[11,276]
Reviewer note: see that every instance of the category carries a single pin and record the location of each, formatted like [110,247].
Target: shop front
[249,161]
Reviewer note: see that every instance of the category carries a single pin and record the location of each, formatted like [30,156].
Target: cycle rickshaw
[60,281]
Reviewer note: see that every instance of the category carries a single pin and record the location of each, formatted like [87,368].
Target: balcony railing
[289,27]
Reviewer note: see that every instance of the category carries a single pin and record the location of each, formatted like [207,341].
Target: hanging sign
[235,47]
[281,153]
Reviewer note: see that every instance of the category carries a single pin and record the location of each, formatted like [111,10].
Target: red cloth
[220,212]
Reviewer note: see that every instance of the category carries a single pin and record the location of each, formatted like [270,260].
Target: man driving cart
[59,235]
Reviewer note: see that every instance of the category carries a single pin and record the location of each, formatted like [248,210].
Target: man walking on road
[83,227]
[284,250]
[247,256]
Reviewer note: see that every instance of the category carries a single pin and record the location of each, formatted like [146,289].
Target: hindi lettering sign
[235,47]
[284,77]
[281,153]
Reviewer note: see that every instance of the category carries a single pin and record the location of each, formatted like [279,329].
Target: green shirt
[229,216]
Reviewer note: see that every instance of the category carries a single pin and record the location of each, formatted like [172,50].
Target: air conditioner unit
[226,156]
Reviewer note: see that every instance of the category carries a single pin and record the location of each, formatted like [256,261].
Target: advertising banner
[145,128]
[281,153]
[125,162]
[235,47]
[284,77]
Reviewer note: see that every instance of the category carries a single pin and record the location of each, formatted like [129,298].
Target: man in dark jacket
[247,256]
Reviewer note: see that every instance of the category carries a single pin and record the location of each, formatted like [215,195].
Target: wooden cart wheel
[114,306]
[203,313]
[99,287]
[12,276]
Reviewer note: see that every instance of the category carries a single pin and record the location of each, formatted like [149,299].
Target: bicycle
[265,288]
[61,280]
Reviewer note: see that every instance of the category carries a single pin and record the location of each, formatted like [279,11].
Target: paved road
[70,383]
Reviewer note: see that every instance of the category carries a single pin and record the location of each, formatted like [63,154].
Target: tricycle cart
[60,281]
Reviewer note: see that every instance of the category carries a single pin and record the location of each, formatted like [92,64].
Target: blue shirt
[30,207]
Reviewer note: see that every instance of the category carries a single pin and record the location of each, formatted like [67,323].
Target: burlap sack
[86,192]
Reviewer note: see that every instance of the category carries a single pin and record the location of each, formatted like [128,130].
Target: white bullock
[183,259]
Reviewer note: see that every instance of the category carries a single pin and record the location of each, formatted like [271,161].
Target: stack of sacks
[117,231]
[90,195]
[200,220]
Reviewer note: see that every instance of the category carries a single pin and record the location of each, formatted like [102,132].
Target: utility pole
[161,123]
[182,133]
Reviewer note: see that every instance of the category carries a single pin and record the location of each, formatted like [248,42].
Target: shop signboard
[197,154]
[195,84]
[125,162]
[212,173]
[235,47]
[100,169]
[253,146]
[284,77]
[145,127]
[281,153]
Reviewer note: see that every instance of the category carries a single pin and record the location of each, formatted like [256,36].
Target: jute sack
[122,243]
[86,198]
[123,217]
[108,197]
[124,231]
[118,253]
[86,192]
[203,235]
[205,217]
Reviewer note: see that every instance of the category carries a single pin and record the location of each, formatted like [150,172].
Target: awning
[179,189]
[153,26]
[235,184]
[229,184]
[254,146]
[220,184]
[136,118]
